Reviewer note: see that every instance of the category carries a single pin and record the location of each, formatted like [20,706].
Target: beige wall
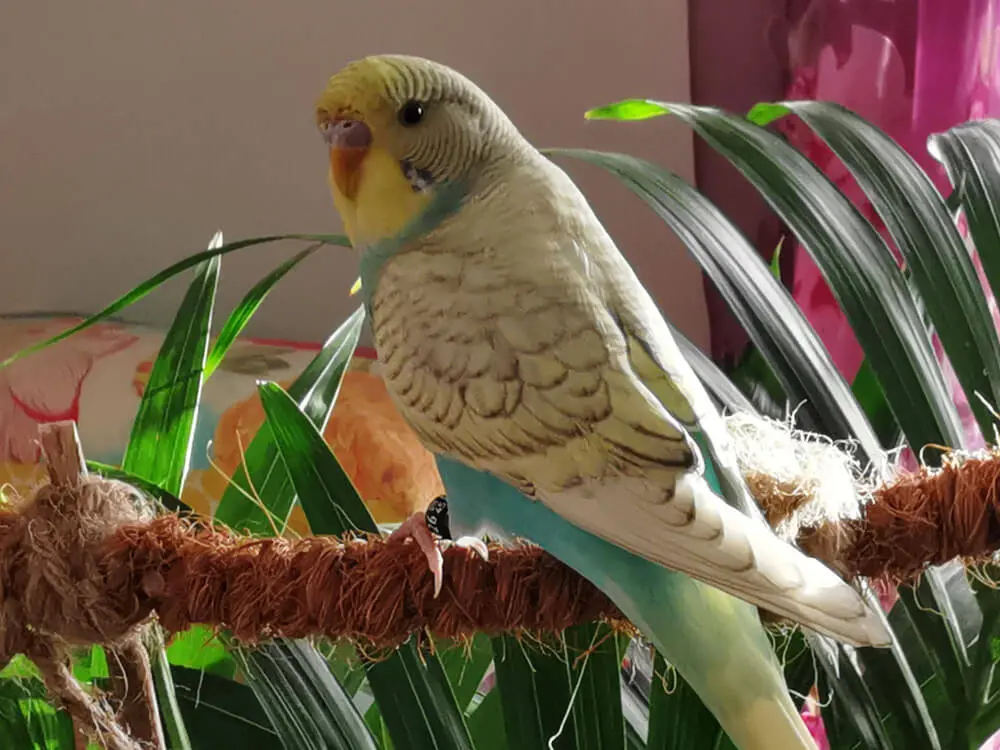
[130,130]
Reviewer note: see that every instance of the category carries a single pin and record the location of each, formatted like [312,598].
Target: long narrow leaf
[925,233]
[28,721]
[465,665]
[221,712]
[159,447]
[535,694]
[987,717]
[417,703]
[876,693]
[942,683]
[970,154]
[155,281]
[239,318]
[876,300]
[594,662]
[166,695]
[168,500]
[941,270]
[852,715]
[303,699]
[566,694]
[199,648]
[486,724]
[871,398]
[678,719]
[331,503]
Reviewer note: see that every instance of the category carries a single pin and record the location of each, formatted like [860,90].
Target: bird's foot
[415,528]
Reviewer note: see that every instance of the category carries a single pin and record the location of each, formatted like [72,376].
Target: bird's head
[397,128]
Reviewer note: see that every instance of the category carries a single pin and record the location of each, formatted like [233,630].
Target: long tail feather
[697,533]
[723,652]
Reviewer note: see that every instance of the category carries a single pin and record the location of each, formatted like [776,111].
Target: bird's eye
[411,113]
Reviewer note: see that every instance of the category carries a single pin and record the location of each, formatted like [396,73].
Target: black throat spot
[420,179]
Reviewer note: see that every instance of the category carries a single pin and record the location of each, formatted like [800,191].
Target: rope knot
[55,583]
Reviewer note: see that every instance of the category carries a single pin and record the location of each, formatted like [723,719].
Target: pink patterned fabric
[46,386]
[914,68]
[96,378]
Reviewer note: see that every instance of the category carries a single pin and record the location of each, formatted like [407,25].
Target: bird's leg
[436,519]
[416,528]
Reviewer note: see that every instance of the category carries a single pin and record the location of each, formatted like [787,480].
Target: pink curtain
[914,68]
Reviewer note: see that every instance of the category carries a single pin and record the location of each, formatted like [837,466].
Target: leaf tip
[628,109]
[765,113]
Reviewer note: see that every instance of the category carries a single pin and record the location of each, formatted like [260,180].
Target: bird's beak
[349,141]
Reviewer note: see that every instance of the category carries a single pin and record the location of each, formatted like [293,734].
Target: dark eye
[411,113]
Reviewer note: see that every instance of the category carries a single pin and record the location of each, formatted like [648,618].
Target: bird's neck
[445,201]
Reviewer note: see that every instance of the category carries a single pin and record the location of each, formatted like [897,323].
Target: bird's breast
[436,319]
[489,337]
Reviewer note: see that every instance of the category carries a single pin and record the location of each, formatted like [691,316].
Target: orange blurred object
[394,474]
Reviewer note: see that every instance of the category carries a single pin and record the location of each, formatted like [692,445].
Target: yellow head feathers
[396,126]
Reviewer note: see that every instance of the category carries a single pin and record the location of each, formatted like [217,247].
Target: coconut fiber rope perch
[86,562]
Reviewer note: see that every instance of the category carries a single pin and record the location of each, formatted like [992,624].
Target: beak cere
[349,141]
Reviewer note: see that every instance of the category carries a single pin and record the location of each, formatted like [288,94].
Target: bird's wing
[671,514]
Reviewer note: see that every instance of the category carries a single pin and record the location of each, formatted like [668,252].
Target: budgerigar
[521,348]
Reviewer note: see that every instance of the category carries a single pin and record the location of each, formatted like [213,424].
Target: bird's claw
[415,528]
[474,543]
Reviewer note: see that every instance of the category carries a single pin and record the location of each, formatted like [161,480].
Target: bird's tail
[767,723]
[720,647]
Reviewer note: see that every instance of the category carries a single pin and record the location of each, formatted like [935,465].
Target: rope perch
[379,593]
[365,589]
[86,562]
